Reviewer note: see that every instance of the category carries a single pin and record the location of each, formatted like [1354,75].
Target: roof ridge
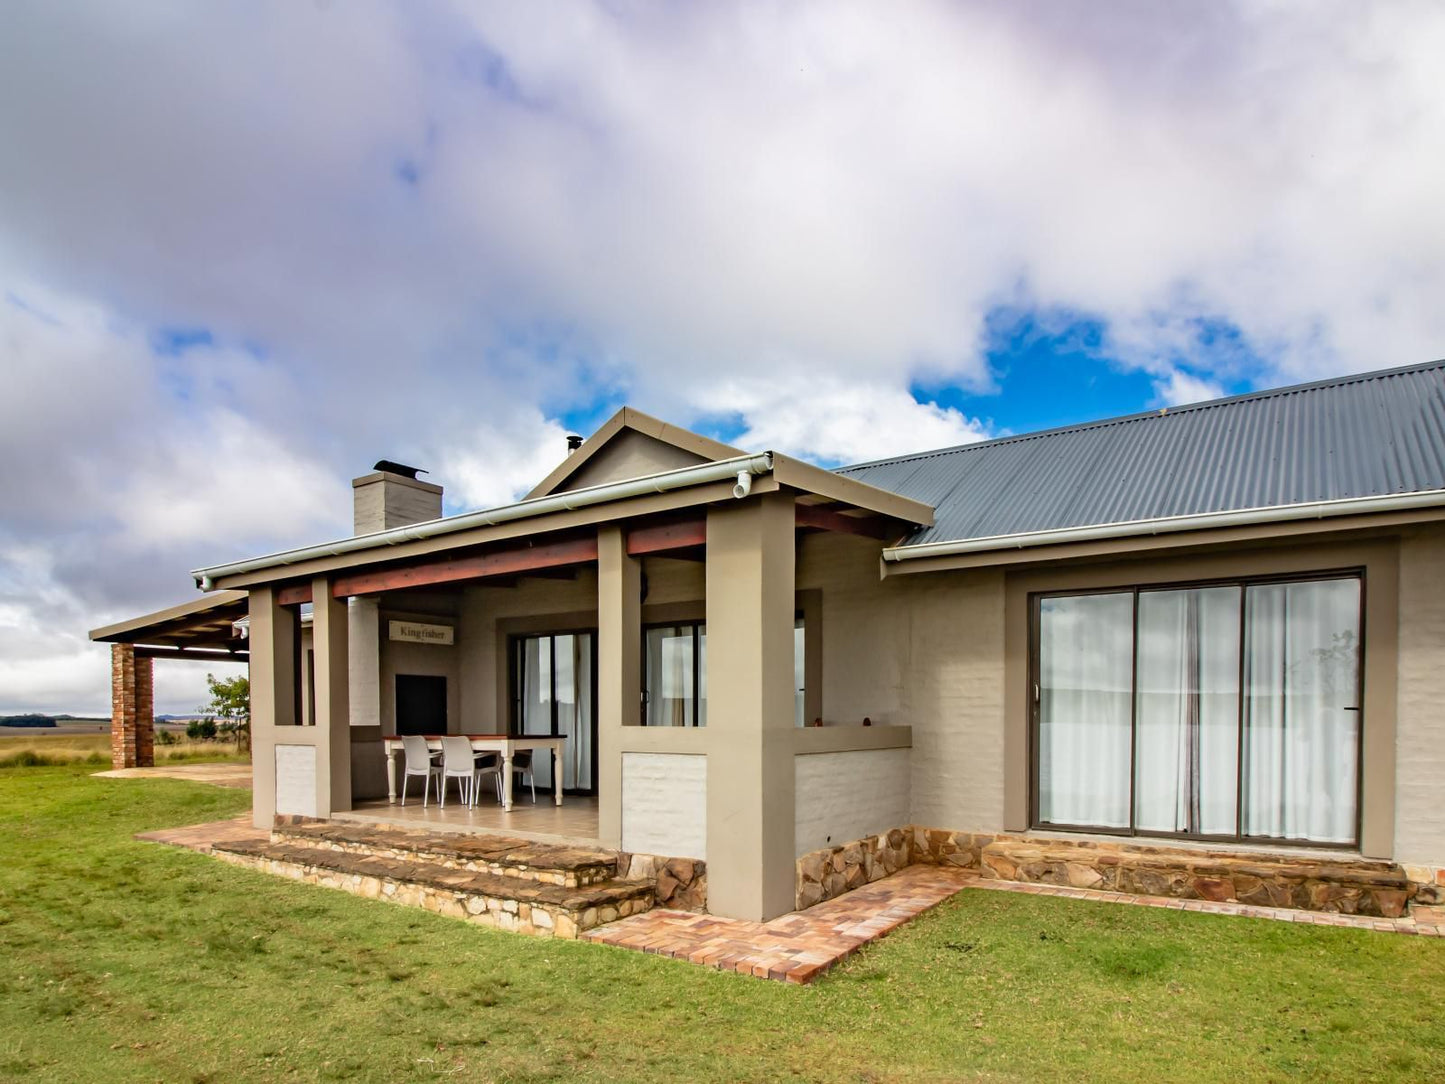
[1161,412]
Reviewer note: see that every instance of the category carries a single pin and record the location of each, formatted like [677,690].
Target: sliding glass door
[1227,711]
[553,693]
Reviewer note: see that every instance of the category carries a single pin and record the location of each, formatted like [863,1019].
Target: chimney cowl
[398,468]
[573,442]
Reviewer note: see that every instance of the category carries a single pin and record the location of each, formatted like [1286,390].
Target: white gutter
[1241,518]
[734,470]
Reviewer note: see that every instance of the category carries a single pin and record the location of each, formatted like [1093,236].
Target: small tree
[230,706]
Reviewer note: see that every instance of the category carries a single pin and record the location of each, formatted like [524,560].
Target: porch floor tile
[796,947]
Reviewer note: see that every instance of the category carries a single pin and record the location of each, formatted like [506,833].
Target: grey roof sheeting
[1370,435]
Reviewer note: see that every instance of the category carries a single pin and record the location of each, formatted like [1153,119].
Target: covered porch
[201,630]
[476,603]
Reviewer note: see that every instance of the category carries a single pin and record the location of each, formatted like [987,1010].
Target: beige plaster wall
[407,658]
[1420,711]
[919,651]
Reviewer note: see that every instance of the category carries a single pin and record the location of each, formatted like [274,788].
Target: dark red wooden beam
[293,595]
[828,520]
[661,537]
[498,563]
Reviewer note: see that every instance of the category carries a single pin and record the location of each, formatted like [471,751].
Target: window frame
[1034,703]
[696,625]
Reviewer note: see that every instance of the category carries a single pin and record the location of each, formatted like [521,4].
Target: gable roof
[626,420]
[1371,435]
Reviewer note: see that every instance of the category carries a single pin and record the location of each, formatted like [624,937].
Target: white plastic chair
[418,762]
[522,765]
[484,765]
[458,764]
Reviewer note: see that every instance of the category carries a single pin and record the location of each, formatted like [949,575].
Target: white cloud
[837,422]
[426,232]
[1178,388]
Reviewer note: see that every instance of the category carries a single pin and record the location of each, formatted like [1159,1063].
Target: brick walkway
[796,947]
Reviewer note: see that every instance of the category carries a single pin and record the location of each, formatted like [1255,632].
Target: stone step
[488,899]
[1306,882]
[505,856]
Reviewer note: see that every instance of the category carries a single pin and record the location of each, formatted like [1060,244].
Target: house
[1195,652]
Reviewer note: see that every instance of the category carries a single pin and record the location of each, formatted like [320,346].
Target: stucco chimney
[393,496]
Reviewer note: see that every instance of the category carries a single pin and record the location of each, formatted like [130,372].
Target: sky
[247,248]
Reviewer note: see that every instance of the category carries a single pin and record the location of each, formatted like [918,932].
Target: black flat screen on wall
[421,704]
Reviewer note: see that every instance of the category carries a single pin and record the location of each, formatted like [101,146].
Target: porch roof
[829,499]
[200,628]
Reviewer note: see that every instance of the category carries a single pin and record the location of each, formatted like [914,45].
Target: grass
[128,961]
[48,750]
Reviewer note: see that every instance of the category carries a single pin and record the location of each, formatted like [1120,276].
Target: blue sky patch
[174,342]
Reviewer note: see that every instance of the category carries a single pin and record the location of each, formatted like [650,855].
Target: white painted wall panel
[296,780]
[664,804]
[841,797]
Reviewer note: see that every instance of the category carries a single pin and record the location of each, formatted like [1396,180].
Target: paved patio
[219,775]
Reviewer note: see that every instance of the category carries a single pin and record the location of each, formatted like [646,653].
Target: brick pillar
[132,709]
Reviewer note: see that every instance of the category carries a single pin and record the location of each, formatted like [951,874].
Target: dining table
[507,745]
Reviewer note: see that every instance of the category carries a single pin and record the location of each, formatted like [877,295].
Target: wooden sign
[412,632]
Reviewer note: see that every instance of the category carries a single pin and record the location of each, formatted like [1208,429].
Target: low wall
[1305,881]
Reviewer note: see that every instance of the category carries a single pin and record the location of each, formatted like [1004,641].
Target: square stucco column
[619,669]
[331,666]
[274,695]
[750,584]
[363,620]
[132,709]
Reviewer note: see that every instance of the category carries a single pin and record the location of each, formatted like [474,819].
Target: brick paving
[796,947]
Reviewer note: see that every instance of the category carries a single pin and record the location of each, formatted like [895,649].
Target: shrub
[201,730]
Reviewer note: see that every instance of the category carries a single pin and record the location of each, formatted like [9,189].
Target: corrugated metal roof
[1369,435]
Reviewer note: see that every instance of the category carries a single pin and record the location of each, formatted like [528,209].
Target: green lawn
[129,961]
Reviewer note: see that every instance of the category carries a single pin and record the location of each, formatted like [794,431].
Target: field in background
[32,748]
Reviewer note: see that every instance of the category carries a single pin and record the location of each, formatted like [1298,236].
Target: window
[1224,711]
[675,675]
[674,679]
[553,691]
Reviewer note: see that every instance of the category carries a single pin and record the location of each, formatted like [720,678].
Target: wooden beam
[661,537]
[294,595]
[508,562]
[828,520]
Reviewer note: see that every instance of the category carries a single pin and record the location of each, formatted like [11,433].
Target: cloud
[246,249]
[835,422]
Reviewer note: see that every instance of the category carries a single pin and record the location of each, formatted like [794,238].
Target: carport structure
[202,630]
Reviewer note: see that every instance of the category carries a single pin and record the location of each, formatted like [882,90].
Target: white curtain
[1187,711]
[1085,665]
[669,676]
[1301,741]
